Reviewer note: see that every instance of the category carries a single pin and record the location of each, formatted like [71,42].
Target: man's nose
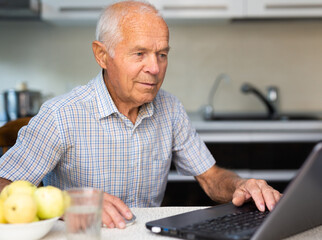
[152,65]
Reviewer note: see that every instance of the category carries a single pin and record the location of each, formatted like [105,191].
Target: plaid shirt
[81,140]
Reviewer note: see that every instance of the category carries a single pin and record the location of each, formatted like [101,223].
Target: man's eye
[139,54]
[162,55]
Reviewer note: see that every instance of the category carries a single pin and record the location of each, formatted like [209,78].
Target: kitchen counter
[139,231]
[257,131]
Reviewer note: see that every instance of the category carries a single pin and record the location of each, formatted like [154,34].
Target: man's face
[135,74]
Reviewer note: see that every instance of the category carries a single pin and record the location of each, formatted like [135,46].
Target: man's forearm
[3,182]
[219,183]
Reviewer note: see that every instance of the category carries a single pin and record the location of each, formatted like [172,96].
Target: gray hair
[108,29]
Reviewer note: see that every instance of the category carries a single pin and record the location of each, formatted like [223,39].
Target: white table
[139,231]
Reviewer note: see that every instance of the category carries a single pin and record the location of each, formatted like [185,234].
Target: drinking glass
[83,217]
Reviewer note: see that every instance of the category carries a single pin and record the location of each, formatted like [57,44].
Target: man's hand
[222,185]
[259,191]
[114,212]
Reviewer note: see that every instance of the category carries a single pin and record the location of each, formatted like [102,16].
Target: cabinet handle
[80,9]
[174,7]
[292,6]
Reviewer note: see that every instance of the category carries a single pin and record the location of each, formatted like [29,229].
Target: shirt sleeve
[190,154]
[36,152]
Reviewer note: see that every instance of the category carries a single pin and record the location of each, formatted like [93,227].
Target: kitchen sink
[209,114]
[262,117]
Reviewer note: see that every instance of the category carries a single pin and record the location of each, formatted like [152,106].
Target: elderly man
[120,132]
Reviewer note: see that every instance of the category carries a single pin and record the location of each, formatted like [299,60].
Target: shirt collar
[105,103]
[146,110]
[106,106]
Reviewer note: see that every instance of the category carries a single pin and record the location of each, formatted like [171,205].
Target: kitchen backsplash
[286,54]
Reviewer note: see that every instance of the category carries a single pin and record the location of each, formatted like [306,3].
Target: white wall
[287,54]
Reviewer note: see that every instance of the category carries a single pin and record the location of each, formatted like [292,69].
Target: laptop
[299,209]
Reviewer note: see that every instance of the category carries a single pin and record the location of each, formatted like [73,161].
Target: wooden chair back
[9,132]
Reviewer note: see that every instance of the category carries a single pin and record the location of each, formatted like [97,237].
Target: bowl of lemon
[28,212]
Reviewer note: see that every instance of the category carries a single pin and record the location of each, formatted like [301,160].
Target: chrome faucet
[208,110]
[248,88]
[273,96]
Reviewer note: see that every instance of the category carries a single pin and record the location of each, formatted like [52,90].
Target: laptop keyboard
[229,224]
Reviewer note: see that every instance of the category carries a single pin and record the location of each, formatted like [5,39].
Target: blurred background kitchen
[281,51]
[267,43]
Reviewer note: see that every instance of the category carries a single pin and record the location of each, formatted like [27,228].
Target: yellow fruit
[2,219]
[36,219]
[67,200]
[50,202]
[4,193]
[21,186]
[20,208]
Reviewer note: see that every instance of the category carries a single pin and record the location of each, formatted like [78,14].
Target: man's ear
[100,53]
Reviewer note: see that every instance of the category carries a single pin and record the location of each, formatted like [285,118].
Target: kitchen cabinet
[238,8]
[89,10]
[276,162]
[283,8]
[69,11]
[190,9]
[270,150]
[260,146]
